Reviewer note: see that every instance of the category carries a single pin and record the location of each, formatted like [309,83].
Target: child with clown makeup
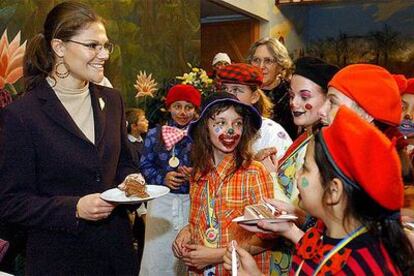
[357,200]
[166,161]
[224,181]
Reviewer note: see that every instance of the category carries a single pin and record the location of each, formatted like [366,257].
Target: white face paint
[306,98]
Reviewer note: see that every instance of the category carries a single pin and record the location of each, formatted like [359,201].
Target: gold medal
[211,235]
[174,162]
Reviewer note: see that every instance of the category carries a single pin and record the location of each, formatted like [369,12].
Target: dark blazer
[47,164]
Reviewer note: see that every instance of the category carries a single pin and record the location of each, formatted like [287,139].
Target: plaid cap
[241,73]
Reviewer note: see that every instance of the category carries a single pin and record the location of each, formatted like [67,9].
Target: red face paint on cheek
[308,106]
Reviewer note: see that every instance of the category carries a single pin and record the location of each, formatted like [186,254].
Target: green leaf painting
[156,36]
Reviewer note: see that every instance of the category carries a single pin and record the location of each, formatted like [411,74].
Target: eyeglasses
[108,46]
[258,61]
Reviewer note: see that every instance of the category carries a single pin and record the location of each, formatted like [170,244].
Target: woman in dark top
[273,58]
[62,144]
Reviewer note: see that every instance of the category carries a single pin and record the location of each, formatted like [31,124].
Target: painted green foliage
[158,36]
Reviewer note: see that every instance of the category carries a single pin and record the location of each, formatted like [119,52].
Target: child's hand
[173,180]
[185,171]
[183,238]
[280,205]
[200,256]
[264,153]
[246,265]
[271,163]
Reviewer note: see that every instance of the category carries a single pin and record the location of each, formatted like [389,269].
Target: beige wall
[272,22]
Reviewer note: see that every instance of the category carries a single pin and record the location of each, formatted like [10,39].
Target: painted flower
[11,59]
[145,85]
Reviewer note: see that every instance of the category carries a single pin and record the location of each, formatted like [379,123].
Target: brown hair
[202,145]
[63,22]
[132,115]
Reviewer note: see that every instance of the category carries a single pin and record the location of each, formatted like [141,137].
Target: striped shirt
[367,256]
[246,186]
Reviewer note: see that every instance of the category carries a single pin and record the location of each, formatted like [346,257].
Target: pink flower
[11,59]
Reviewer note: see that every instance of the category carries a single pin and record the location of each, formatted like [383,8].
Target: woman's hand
[183,238]
[92,207]
[200,256]
[173,180]
[246,265]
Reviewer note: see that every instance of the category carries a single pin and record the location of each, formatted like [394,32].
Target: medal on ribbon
[211,235]
[173,162]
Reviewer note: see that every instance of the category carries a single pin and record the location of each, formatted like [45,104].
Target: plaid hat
[373,88]
[410,87]
[315,70]
[401,81]
[241,73]
[364,157]
[224,97]
[183,92]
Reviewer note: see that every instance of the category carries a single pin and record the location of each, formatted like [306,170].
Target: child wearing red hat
[357,200]
[374,94]
[165,161]
[225,180]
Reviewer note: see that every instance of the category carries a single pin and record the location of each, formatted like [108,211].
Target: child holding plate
[165,161]
[357,200]
[224,181]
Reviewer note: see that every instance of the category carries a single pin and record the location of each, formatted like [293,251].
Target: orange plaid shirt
[244,187]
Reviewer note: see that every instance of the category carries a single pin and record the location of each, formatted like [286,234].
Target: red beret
[241,73]
[365,156]
[401,82]
[183,92]
[410,87]
[373,88]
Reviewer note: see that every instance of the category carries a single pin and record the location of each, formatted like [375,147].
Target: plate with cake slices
[263,212]
[134,190]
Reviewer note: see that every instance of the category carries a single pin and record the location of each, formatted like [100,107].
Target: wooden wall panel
[233,38]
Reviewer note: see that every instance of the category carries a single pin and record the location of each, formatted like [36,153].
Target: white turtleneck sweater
[77,103]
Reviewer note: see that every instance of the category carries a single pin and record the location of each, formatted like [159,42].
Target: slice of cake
[260,211]
[134,185]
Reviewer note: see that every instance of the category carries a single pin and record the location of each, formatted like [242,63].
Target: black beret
[316,70]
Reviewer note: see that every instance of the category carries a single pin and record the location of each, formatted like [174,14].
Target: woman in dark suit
[61,145]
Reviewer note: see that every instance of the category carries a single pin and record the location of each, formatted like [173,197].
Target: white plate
[118,196]
[280,218]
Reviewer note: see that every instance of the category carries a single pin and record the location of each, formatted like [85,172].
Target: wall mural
[379,33]
[156,36]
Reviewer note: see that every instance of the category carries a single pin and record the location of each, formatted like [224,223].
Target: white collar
[134,139]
